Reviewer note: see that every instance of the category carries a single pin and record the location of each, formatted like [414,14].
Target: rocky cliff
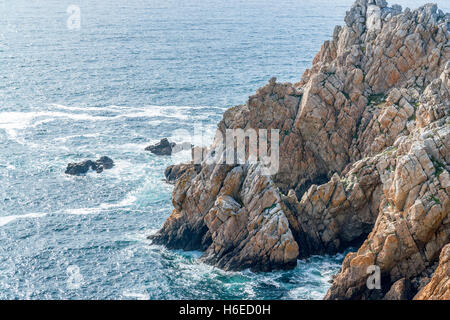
[363,161]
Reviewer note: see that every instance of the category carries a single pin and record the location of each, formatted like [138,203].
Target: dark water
[133,73]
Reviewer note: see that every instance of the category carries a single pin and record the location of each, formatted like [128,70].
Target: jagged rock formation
[364,161]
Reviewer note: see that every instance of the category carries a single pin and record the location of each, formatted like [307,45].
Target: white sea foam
[128,201]
[249,291]
[12,122]
[134,147]
[149,111]
[125,170]
[7,219]
[152,113]
[72,108]
[84,211]
[66,138]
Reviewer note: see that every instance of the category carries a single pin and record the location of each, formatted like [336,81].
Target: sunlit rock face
[364,151]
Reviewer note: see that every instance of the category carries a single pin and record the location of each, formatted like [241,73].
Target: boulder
[104,163]
[80,167]
[83,167]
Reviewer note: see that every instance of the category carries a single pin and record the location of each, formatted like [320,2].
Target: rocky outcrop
[83,167]
[412,223]
[364,153]
[79,168]
[233,213]
[400,290]
[174,172]
[439,286]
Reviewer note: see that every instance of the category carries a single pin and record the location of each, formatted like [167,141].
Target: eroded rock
[364,161]
[439,286]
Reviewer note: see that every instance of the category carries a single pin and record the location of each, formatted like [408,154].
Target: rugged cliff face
[438,288]
[364,161]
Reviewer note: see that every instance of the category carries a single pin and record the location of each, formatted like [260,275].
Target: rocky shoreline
[364,161]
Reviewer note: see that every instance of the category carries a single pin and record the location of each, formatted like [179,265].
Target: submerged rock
[364,161]
[83,167]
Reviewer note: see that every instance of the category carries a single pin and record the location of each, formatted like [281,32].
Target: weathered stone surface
[439,286]
[413,222]
[400,290]
[364,160]
[252,232]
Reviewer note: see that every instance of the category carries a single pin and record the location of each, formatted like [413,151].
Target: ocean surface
[131,74]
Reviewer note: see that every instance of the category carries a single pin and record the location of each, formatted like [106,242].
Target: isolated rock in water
[83,167]
[364,161]
[162,148]
[103,163]
[79,168]
[174,172]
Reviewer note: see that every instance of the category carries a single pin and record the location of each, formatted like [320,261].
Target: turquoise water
[132,74]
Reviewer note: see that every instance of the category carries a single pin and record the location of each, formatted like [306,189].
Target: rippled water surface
[133,73]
